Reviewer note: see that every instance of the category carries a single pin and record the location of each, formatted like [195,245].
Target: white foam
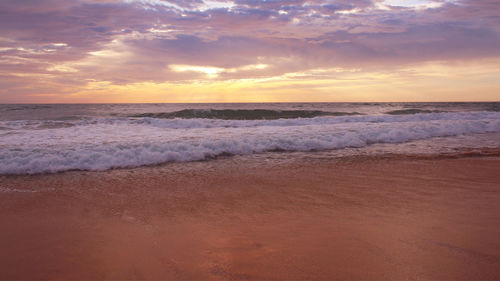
[100,144]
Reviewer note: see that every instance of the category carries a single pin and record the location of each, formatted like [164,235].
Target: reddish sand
[365,218]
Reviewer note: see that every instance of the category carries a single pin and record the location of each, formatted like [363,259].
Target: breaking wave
[243,114]
[411,111]
[28,147]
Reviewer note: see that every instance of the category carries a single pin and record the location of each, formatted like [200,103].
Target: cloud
[68,44]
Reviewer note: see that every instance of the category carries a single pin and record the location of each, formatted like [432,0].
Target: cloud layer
[59,48]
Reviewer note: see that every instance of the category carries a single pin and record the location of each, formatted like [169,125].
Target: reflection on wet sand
[247,219]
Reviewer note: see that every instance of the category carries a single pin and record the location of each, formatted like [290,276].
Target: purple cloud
[136,41]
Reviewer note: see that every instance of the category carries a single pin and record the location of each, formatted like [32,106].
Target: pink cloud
[289,35]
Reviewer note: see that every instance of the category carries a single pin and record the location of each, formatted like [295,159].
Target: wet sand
[384,218]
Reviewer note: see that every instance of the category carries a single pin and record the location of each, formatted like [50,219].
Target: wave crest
[243,114]
[412,111]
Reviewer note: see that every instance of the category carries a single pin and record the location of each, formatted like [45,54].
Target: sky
[99,51]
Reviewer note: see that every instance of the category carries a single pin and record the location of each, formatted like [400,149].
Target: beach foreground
[246,218]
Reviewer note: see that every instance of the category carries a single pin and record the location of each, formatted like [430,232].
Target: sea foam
[28,147]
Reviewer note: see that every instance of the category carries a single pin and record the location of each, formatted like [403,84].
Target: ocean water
[52,138]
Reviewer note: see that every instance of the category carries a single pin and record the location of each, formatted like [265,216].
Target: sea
[49,138]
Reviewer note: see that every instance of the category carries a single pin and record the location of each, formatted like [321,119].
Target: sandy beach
[244,218]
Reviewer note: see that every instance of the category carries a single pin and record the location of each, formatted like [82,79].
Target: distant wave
[243,114]
[494,107]
[412,111]
[24,107]
[191,123]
